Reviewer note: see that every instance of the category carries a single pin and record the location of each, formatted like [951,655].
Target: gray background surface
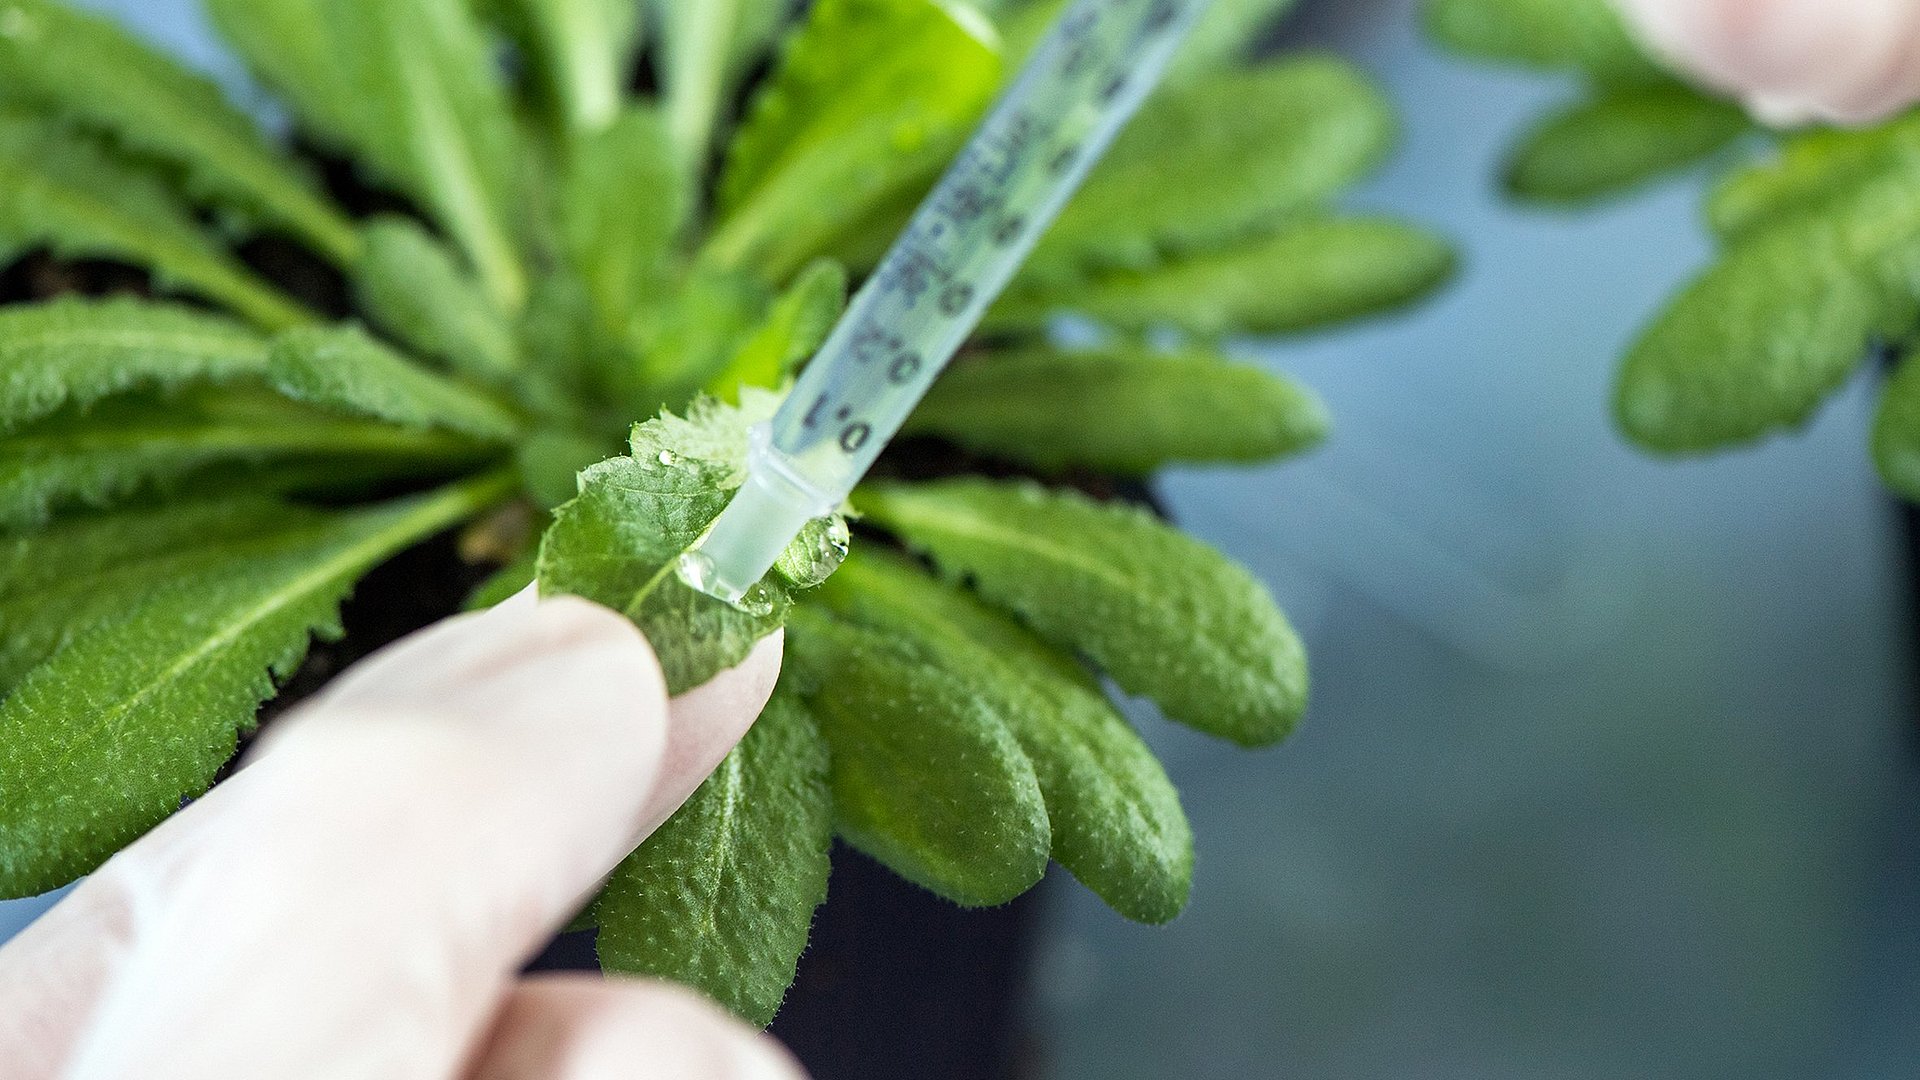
[1608,772]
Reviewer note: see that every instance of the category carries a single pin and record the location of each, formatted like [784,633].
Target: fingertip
[706,722]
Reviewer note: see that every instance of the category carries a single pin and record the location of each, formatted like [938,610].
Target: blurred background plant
[1816,227]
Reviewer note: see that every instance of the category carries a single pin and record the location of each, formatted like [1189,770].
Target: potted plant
[227,399]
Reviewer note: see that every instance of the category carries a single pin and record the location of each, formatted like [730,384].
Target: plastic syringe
[964,244]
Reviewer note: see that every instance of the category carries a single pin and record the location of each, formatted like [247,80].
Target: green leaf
[1620,139]
[102,741]
[42,618]
[78,547]
[721,898]
[688,341]
[123,445]
[343,368]
[551,463]
[1116,819]
[1213,161]
[796,326]
[926,777]
[1766,334]
[411,87]
[871,98]
[1123,409]
[416,289]
[1896,430]
[75,352]
[705,49]
[619,542]
[622,207]
[1306,274]
[1585,35]
[86,68]
[1163,614]
[65,192]
[580,53]
[1810,169]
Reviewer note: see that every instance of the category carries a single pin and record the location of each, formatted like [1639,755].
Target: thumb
[1792,61]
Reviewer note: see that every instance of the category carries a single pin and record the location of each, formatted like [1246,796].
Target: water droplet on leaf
[816,553]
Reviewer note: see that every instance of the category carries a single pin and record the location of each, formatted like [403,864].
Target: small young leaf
[65,192]
[418,291]
[926,778]
[871,97]
[705,48]
[796,326]
[620,541]
[343,368]
[721,897]
[580,53]
[412,87]
[122,445]
[1305,274]
[102,741]
[687,342]
[1123,409]
[1619,140]
[1811,168]
[1896,430]
[551,463]
[1759,341]
[75,352]
[85,67]
[1116,819]
[1587,35]
[1208,163]
[1163,614]
[622,206]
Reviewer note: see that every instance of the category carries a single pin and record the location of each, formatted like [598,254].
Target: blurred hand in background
[1793,61]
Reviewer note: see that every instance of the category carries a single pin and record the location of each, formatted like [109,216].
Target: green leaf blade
[1770,331]
[102,741]
[70,194]
[75,352]
[1305,274]
[86,68]
[1586,35]
[418,290]
[925,777]
[1164,615]
[343,368]
[1619,140]
[1116,821]
[1219,159]
[871,99]
[1124,409]
[128,445]
[721,897]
